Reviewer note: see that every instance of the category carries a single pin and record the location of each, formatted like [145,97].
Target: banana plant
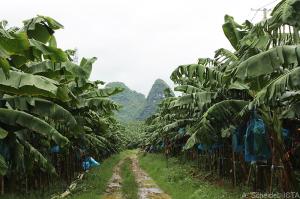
[47,100]
[262,74]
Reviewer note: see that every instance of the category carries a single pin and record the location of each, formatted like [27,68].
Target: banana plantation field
[52,116]
[231,131]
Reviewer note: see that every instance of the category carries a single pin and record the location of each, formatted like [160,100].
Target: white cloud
[137,41]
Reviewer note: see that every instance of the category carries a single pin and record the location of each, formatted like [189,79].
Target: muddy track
[113,190]
[148,189]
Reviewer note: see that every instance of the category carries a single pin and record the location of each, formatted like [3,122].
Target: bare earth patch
[148,189]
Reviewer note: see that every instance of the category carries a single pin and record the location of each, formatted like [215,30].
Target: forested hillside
[135,106]
[131,101]
[155,96]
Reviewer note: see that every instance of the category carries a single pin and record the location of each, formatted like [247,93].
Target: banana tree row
[47,101]
[221,94]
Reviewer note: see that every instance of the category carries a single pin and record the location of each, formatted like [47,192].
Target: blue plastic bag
[86,165]
[256,141]
[93,162]
[237,141]
[89,162]
[55,149]
[286,137]
[182,131]
[162,145]
[202,147]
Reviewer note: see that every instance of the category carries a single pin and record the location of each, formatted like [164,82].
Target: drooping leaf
[188,89]
[86,64]
[37,157]
[286,12]
[292,111]
[41,28]
[42,108]
[52,53]
[271,93]
[13,43]
[62,71]
[99,103]
[222,52]
[177,124]
[52,42]
[198,99]
[105,92]
[14,117]
[3,133]
[4,65]
[216,118]
[233,31]
[26,84]
[269,62]
[3,166]
[198,73]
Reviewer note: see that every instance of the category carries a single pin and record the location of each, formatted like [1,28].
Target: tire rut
[113,190]
[148,189]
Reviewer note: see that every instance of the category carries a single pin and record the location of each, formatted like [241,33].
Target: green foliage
[233,31]
[14,118]
[47,100]
[133,133]
[216,118]
[273,61]
[3,166]
[254,75]
[286,12]
[218,95]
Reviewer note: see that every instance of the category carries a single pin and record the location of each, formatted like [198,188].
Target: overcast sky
[137,41]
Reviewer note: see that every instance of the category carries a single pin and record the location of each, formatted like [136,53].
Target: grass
[94,183]
[177,181]
[129,185]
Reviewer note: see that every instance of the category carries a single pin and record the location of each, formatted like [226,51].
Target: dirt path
[113,190]
[147,187]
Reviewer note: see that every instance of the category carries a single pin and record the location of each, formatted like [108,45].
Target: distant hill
[132,102]
[155,96]
[135,106]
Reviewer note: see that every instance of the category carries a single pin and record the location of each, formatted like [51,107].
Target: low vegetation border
[176,179]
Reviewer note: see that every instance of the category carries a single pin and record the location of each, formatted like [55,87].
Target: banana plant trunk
[1,185]
[289,180]
[274,125]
